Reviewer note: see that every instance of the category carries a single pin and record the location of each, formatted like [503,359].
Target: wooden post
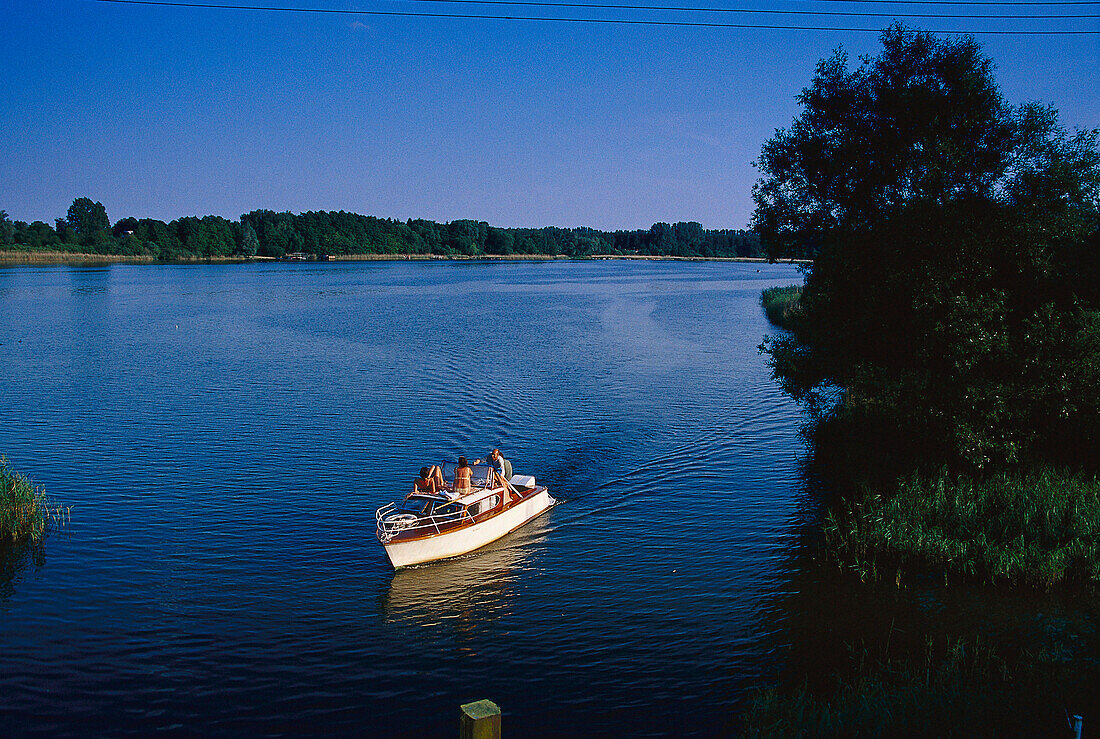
[480,720]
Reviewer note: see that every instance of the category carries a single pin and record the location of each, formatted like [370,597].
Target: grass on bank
[781,303]
[1036,528]
[25,510]
[953,687]
[17,255]
[67,257]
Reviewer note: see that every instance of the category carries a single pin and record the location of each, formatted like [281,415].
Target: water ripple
[224,435]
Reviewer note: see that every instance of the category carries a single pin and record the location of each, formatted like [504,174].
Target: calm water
[225,433]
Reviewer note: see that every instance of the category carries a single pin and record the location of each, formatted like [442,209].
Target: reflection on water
[830,627]
[472,589]
[16,557]
[225,433]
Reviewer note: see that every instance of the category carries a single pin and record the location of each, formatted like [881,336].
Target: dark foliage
[267,233]
[950,687]
[781,303]
[953,295]
[88,220]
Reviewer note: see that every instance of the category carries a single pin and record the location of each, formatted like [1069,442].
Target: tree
[467,236]
[65,233]
[952,297]
[250,244]
[688,238]
[124,227]
[87,218]
[498,241]
[36,235]
[660,238]
[7,229]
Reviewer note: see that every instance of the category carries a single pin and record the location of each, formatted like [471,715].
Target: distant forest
[265,233]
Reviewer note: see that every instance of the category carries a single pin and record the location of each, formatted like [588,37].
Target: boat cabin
[434,513]
[446,506]
[429,526]
[422,504]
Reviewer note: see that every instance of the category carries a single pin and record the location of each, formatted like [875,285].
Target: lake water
[224,435]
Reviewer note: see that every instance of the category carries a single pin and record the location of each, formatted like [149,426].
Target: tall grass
[25,510]
[1036,528]
[781,303]
[951,687]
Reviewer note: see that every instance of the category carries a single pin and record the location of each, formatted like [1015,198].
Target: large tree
[953,293]
[87,218]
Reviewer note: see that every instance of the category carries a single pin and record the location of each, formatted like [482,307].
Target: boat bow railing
[392,522]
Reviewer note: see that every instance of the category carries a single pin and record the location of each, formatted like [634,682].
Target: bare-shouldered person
[463,476]
[430,480]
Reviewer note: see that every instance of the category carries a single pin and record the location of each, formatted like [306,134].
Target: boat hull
[467,539]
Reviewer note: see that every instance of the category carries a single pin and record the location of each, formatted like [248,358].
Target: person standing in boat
[497,461]
[502,469]
[463,475]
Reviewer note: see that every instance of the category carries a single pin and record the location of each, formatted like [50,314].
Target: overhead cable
[620,21]
[767,11]
[1002,3]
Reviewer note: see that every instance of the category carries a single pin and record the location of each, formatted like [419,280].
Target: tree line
[266,233]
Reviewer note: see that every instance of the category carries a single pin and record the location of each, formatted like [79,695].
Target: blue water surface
[224,434]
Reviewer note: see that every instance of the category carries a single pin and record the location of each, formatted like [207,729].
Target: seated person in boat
[463,475]
[430,480]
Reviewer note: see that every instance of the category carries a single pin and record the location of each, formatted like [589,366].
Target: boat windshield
[418,505]
[480,477]
[448,510]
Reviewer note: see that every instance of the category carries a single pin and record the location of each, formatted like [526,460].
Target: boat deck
[460,518]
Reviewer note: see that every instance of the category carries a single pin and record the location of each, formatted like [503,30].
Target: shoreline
[22,258]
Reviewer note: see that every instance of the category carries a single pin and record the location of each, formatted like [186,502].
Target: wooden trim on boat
[465,523]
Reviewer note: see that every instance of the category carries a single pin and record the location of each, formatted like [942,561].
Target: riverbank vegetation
[780,303]
[1035,528]
[951,316]
[946,347]
[25,510]
[951,687]
[86,229]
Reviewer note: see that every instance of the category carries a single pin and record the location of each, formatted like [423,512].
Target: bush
[25,510]
[953,687]
[1038,528]
[781,303]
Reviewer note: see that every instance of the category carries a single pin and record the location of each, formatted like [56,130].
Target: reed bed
[68,257]
[951,687]
[781,303]
[1035,528]
[25,509]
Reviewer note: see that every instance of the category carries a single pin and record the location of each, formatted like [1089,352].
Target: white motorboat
[430,526]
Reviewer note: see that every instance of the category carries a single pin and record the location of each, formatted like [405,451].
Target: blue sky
[163,112]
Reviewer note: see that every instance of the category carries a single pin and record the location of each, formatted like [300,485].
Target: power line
[1009,3]
[621,21]
[768,11]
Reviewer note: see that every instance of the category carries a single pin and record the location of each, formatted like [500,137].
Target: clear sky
[163,112]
